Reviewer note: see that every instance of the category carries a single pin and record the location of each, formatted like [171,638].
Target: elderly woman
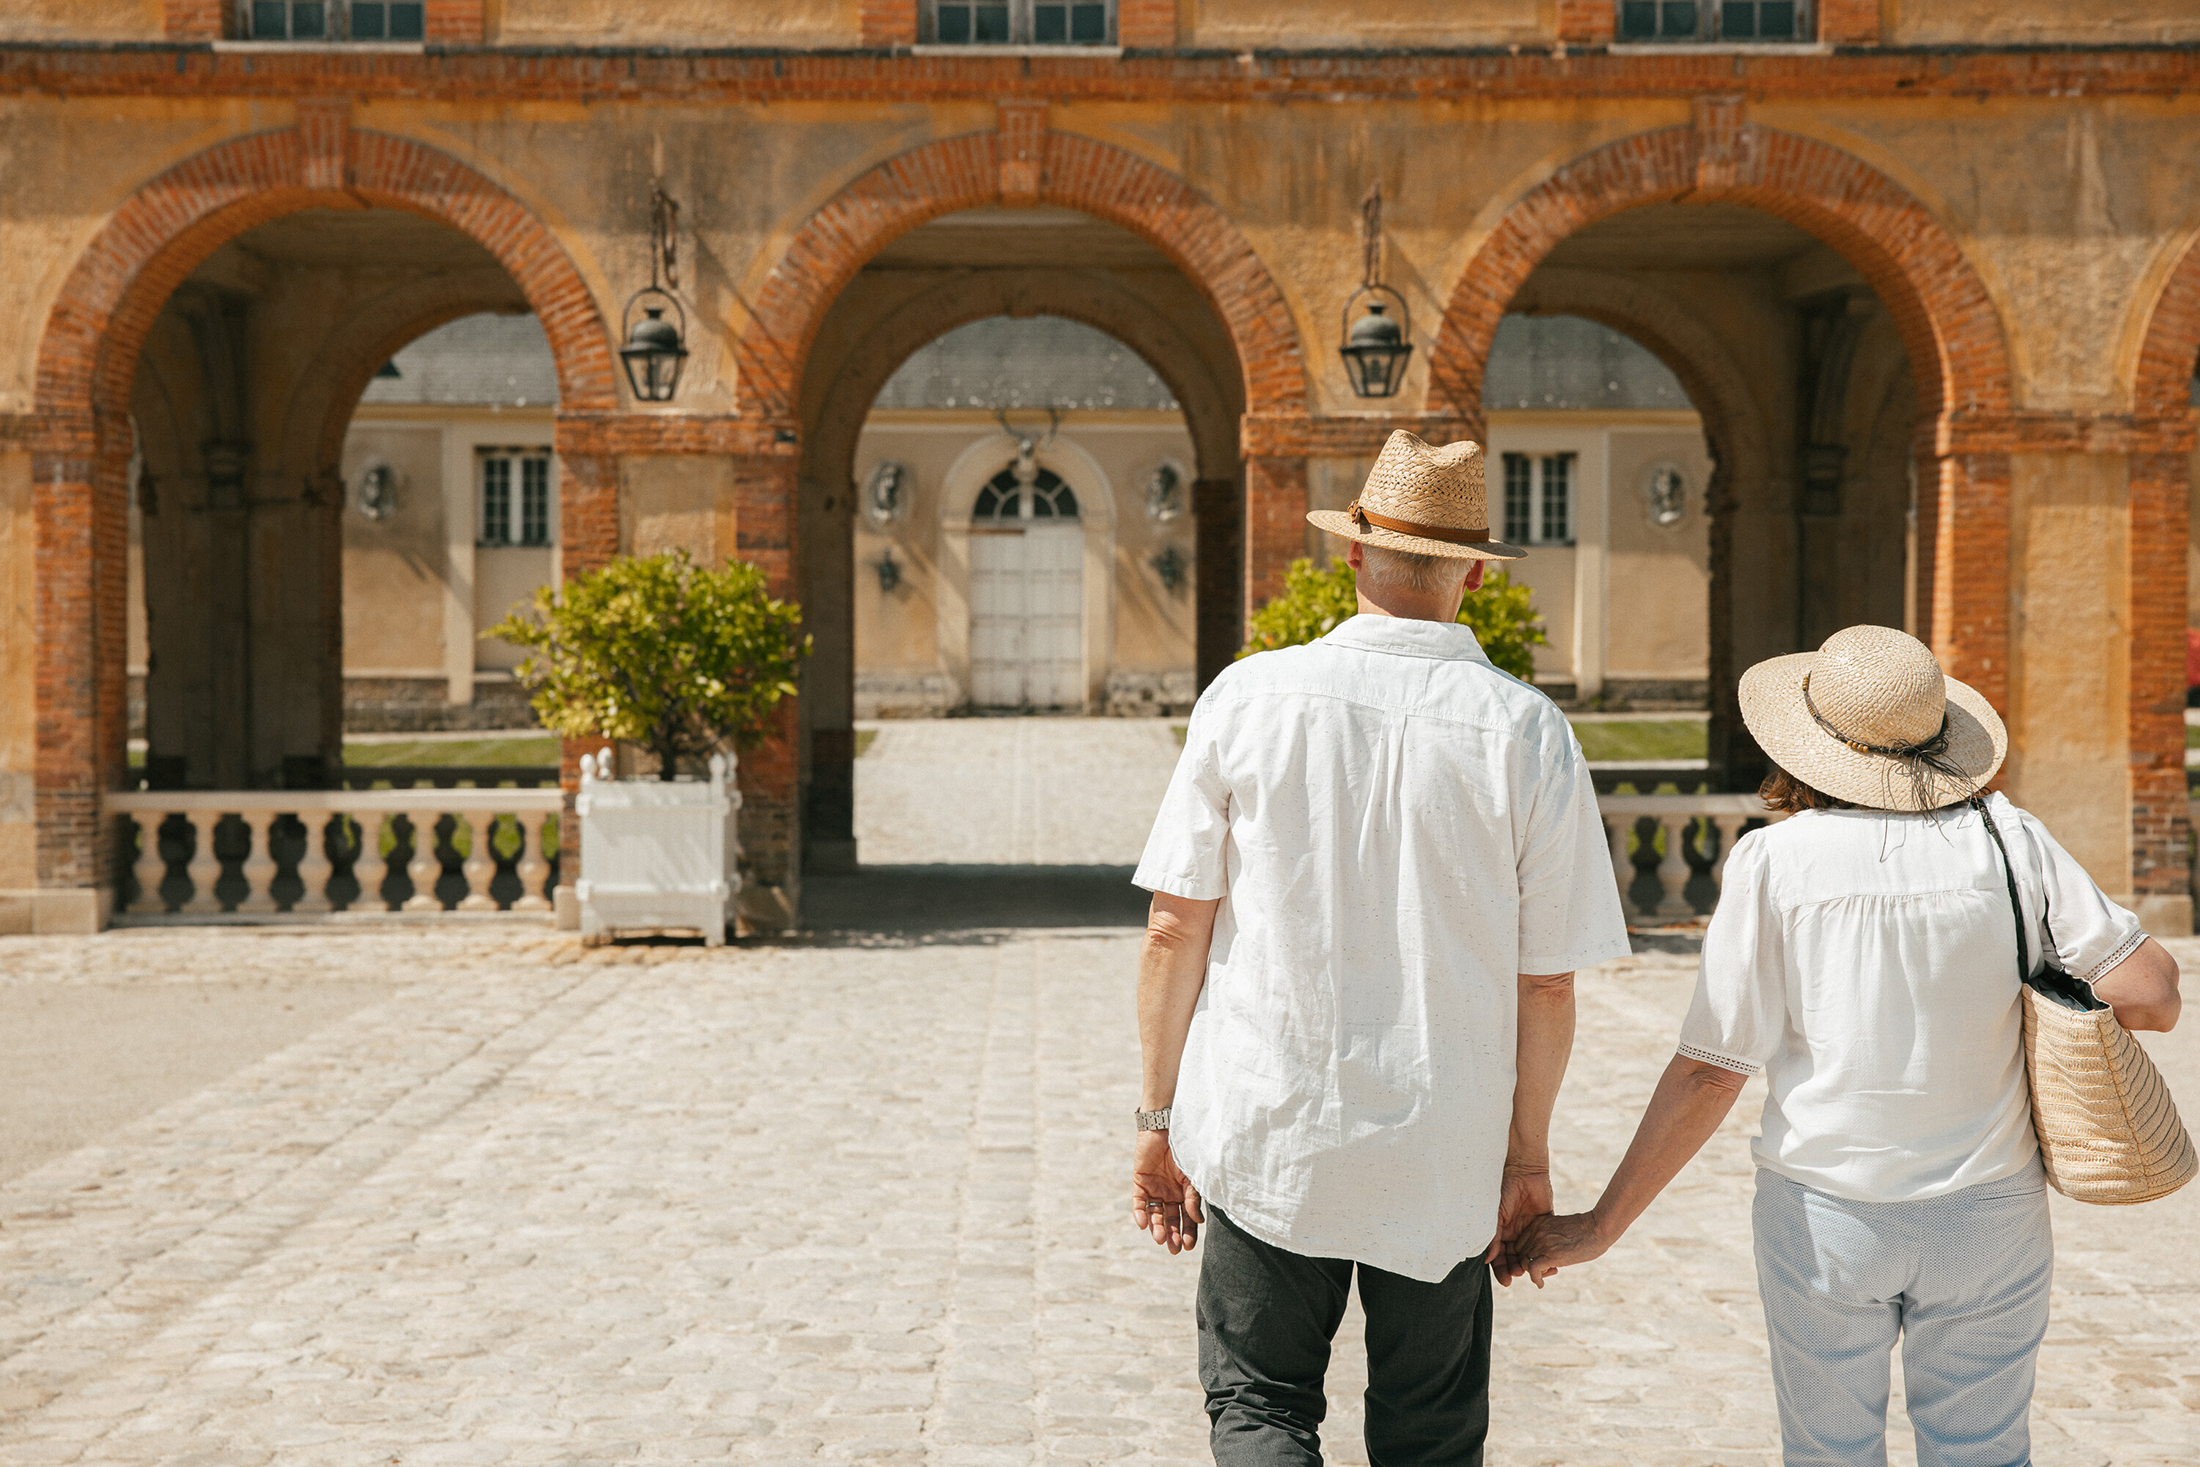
[1864,960]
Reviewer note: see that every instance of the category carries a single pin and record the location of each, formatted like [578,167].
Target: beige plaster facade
[1936,310]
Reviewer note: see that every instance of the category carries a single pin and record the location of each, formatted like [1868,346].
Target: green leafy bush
[1314,601]
[659,652]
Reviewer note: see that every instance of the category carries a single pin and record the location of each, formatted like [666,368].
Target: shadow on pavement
[965,903]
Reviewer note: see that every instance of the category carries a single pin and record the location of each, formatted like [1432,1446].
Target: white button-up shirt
[1397,830]
[1866,962]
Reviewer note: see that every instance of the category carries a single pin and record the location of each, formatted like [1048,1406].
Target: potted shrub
[681,663]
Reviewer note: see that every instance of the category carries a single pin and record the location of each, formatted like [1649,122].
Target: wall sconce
[1375,346]
[889,572]
[886,493]
[1165,494]
[656,349]
[1171,566]
[376,498]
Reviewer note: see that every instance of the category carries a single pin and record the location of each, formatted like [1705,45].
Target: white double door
[1027,616]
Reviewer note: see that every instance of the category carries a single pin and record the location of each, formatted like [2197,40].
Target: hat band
[1407,527]
[1922,748]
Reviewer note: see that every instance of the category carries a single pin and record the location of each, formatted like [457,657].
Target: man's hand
[1526,1195]
[1163,1200]
[1549,1243]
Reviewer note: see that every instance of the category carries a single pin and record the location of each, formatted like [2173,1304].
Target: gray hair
[1381,566]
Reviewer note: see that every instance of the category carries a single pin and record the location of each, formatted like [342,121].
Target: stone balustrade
[1696,833]
[306,855]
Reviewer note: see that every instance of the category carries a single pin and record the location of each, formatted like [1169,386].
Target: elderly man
[1375,872]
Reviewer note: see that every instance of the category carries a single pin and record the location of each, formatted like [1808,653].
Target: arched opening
[983,372]
[1803,487]
[250,502]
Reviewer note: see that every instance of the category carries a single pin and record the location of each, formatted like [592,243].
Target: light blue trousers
[1961,1280]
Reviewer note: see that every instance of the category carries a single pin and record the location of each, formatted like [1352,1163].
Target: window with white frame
[1539,498]
[334,20]
[1714,20]
[1019,22]
[514,501]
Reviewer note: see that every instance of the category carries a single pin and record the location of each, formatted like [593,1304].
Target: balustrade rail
[319,854]
[1669,851]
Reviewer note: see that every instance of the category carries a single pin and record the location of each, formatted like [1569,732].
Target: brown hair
[1783,791]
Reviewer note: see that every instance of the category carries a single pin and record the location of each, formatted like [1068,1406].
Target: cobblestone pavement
[1003,791]
[857,1203]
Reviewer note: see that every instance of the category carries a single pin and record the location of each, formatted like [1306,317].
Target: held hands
[1548,1243]
[1163,1200]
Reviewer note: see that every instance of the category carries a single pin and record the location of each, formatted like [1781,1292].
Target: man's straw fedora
[1422,500]
[1870,718]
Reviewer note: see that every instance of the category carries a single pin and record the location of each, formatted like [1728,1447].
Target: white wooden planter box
[657,855]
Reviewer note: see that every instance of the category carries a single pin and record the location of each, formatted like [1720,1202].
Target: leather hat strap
[1408,527]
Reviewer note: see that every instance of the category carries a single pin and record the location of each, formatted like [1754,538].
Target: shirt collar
[1404,637]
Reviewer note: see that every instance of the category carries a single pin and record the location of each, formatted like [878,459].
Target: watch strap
[1154,1120]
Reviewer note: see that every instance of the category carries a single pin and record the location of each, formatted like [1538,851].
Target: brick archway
[166,229]
[2159,490]
[87,361]
[1947,321]
[968,171]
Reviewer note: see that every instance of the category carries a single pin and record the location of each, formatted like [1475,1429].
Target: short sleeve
[1739,1015]
[1183,855]
[1570,916]
[2091,933]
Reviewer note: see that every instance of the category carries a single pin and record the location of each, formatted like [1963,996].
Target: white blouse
[1865,963]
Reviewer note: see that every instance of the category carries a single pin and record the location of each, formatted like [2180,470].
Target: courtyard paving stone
[854,1201]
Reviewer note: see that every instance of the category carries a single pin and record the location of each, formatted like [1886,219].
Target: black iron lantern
[656,349]
[1375,346]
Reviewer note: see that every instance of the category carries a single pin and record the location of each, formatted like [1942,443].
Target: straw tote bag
[2108,1130]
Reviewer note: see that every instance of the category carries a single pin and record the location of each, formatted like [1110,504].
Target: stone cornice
[761,75]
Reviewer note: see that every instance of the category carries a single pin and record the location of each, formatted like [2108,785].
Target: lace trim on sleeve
[1723,1061]
[2129,946]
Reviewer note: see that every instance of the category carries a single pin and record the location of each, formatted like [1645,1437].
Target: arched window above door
[1003,498]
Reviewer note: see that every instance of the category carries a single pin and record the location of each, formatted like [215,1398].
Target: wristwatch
[1154,1120]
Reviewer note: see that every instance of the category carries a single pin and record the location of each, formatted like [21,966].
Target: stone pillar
[2161,830]
[828,732]
[1219,621]
[81,528]
[764,532]
[1971,567]
[1275,524]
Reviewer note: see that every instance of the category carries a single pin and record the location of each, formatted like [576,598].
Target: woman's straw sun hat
[1424,501]
[1870,718]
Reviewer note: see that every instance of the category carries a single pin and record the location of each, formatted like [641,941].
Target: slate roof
[475,361]
[1562,362]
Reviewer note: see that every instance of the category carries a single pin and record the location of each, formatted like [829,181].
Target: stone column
[1275,524]
[1219,626]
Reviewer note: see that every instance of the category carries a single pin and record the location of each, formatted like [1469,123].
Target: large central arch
[966,172]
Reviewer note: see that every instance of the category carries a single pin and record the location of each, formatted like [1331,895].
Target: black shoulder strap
[2016,905]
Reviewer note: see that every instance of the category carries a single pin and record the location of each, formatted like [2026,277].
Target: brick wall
[888,22]
[455,22]
[1849,22]
[1586,22]
[1146,23]
[192,20]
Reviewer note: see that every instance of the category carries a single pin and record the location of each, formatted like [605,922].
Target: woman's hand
[1550,1243]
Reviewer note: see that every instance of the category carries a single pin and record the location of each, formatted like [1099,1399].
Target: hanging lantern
[1375,346]
[656,349]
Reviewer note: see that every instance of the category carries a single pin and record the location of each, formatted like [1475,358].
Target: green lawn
[534,749]
[1680,738]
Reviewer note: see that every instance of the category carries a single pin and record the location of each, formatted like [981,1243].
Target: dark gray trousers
[1266,1319]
